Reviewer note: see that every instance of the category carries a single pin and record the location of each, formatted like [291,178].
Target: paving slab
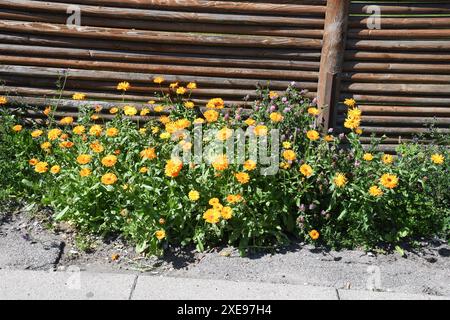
[374,295]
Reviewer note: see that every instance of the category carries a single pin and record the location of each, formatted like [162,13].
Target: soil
[30,240]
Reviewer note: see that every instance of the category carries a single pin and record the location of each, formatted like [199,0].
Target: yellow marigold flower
[224,134]
[354,113]
[194,195]
[148,153]
[155,129]
[191,85]
[46,145]
[109,178]
[212,216]
[33,161]
[273,95]
[55,169]
[53,134]
[287,145]
[358,131]
[173,167]
[64,136]
[41,167]
[84,159]
[389,181]
[234,198]
[211,116]
[220,163]
[113,110]
[215,103]
[17,128]
[375,191]
[352,123]
[350,102]
[109,160]
[387,158]
[97,147]
[199,121]
[242,177]
[260,130]
[314,234]
[250,122]
[85,172]
[143,170]
[289,155]
[66,144]
[79,130]
[437,158]
[96,130]
[98,108]
[47,110]
[340,180]
[66,121]
[151,102]
[37,133]
[79,96]
[313,111]
[306,170]
[189,105]
[95,117]
[276,117]
[214,201]
[158,80]
[123,86]
[3,100]
[129,110]
[158,108]
[164,119]
[160,234]
[285,165]
[249,165]
[144,112]
[312,135]
[182,123]
[226,213]
[368,157]
[181,90]
[112,132]
[142,130]
[164,135]
[173,85]
[328,138]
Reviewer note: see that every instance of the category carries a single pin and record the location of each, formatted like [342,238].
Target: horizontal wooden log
[397,88]
[387,99]
[399,110]
[397,67]
[409,22]
[397,56]
[396,77]
[399,34]
[403,120]
[400,130]
[400,45]
[410,8]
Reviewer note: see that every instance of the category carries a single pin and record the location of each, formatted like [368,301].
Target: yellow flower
[143,170]
[98,108]
[437,158]
[194,195]
[354,113]
[66,121]
[242,177]
[79,96]
[212,216]
[250,122]
[191,85]
[96,147]
[214,201]
[148,153]
[96,130]
[109,178]
[306,170]
[113,110]
[189,105]
[211,115]
[287,145]
[112,132]
[144,112]
[142,130]
[123,86]
[389,181]
[260,130]
[249,165]
[158,109]
[155,130]
[66,144]
[387,158]
[187,146]
[375,191]
[199,121]
[173,167]
[350,102]
[3,100]
[129,110]
[220,163]
[64,136]
[46,145]
[164,119]
[289,155]
[84,159]
[368,157]
[352,123]
[53,134]
[313,111]
[158,80]
[33,161]
[47,110]
[273,95]
[226,213]
[340,180]
[41,167]
[85,172]
[276,117]
[314,234]
[55,169]
[164,135]
[224,134]
[285,165]
[37,133]
[79,130]
[181,90]
[109,160]
[160,234]
[328,138]
[173,85]
[215,103]
[233,198]
[358,131]
[312,135]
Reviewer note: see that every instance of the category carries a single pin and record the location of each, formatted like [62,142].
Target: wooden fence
[400,73]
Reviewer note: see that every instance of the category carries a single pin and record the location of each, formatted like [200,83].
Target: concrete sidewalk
[42,285]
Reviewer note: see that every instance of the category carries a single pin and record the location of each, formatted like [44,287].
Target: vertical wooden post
[332,57]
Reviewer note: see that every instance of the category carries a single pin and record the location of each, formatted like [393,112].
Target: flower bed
[149,181]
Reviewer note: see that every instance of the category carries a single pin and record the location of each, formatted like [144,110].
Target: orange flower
[276,117]
[158,80]
[249,165]
[79,130]
[313,135]
[33,161]
[224,134]
[96,130]
[109,179]
[289,155]
[314,234]
[96,147]
[173,167]
[109,160]
[215,103]
[37,133]
[273,95]
[181,90]
[66,121]
[47,110]
[211,116]
[148,153]
[160,234]
[55,169]
[191,85]
[260,130]
[41,167]
[85,172]
[53,134]
[66,144]
[242,177]
[112,132]
[84,159]
[220,163]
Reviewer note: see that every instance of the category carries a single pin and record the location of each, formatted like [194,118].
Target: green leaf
[141,247]
[400,251]
[60,215]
